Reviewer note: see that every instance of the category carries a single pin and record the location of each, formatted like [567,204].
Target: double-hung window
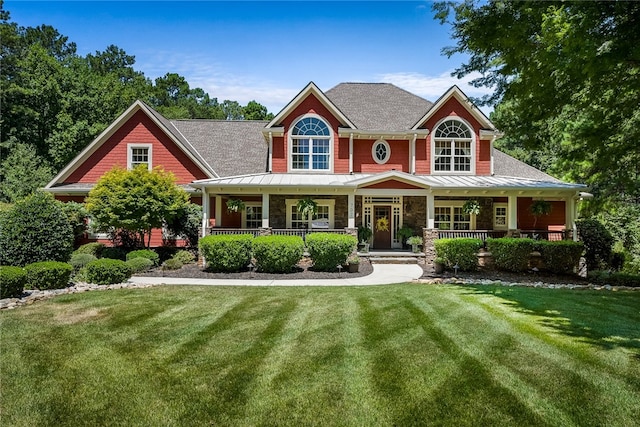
[139,154]
[323,218]
[453,147]
[452,218]
[253,216]
[310,145]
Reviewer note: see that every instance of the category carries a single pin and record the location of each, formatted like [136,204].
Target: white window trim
[92,235]
[244,212]
[455,204]
[321,202]
[506,224]
[373,152]
[432,143]
[290,147]
[130,148]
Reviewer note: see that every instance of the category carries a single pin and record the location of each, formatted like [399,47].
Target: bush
[601,277]
[107,271]
[138,265]
[277,254]
[166,252]
[511,254]
[114,252]
[172,264]
[598,243]
[560,257]
[185,257]
[226,252]
[35,229]
[144,253]
[78,261]
[93,248]
[328,250]
[463,252]
[48,275]
[187,223]
[12,281]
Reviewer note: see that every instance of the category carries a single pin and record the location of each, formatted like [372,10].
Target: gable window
[381,151]
[453,147]
[139,154]
[323,218]
[311,145]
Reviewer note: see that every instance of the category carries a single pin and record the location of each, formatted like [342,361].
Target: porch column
[431,211]
[351,153]
[351,210]
[218,215]
[206,211]
[265,210]
[570,217]
[512,214]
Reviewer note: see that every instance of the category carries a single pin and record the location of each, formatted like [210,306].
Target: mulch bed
[527,277]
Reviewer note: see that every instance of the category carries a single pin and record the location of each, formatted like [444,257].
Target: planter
[415,249]
[365,247]
[353,268]
[438,267]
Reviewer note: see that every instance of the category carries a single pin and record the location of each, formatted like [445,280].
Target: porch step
[392,257]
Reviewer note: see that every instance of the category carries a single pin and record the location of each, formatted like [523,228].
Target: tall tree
[566,80]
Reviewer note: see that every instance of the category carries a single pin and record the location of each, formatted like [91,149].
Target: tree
[135,200]
[256,111]
[22,172]
[566,80]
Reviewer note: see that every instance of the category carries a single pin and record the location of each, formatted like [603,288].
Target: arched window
[310,145]
[452,147]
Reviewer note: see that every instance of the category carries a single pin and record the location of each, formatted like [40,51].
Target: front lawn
[362,356]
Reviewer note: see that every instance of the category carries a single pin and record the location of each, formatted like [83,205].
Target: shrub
[226,252]
[166,252]
[12,281]
[328,250]
[172,264]
[78,261]
[597,242]
[277,254]
[114,252]
[185,257]
[77,216]
[511,254]
[601,277]
[560,257]
[107,271]
[138,265]
[35,229]
[463,252]
[187,223]
[48,275]
[93,248]
[144,253]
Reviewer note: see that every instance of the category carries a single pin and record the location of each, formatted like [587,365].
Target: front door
[382,227]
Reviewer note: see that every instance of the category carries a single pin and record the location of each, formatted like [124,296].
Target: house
[368,153]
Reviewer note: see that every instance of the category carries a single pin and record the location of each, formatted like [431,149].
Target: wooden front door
[382,237]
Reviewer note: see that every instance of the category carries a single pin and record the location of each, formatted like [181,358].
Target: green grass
[360,356]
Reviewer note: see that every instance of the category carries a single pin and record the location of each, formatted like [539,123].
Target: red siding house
[368,154]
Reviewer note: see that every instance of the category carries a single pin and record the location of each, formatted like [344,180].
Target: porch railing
[216,231]
[275,231]
[484,234]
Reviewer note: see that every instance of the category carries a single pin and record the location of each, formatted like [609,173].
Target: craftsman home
[368,154]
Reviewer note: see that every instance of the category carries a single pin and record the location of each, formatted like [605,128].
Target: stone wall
[429,235]
[415,212]
[278,210]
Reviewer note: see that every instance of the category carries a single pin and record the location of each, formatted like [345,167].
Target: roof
[378,106]
[506,166]
[230,147]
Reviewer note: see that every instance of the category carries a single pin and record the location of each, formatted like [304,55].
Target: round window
[381,151]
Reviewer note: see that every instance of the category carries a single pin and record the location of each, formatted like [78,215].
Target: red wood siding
[363,160]
[553,221]
[393,183]
[423,156]
[139,129]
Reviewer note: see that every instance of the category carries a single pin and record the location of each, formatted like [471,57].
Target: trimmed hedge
[114,252]
[93,248]
[464,252]
[277,254]
[511,254]
[328,250]
[560,257]
[601,277]
[107,271]
[226,252]
[78,261]
[144,253]
[48,275]
[598,242]
[184,256]
[172,264]
[12,281]
[138,265]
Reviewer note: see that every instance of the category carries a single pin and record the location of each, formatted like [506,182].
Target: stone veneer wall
[415,212]
[484,220]
[429,235]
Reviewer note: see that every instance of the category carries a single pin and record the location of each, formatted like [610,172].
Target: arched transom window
[453,142]
[310,145]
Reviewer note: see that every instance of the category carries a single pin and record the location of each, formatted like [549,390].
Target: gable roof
[507,166]
[378,106]
[455,92]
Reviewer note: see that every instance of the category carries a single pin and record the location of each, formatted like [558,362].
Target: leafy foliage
[144,253]
[35,229]
[511,254]
[172,264]
[328,250]
[277,254]
[107,271]
[139,265]
[48,275]
[601,277]
[12,281]
[93,248]
[226,253]
[597,241]
[80,260]
[187,223]
[185,257]
[560,257]
[463,252]
[77,215]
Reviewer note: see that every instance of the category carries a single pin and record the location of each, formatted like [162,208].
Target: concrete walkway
[383,274]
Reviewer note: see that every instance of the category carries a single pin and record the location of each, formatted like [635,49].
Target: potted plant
[353,264]
[235,205]
[307,207]
[364,237]
[438,265]
[539,208]
[404,233]
[471,207]
[415,241]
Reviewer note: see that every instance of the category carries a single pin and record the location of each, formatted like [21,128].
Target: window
[311,145]
[253,216]
[380,151]
[452,218]
[452,147]
[139,154]
[500,216]
[323,217]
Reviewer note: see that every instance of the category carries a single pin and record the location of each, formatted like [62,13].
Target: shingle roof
[230,147]
[378,106]
[506,166]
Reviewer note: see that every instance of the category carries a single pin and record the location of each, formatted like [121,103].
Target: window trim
[451,204]
[131,147]
[244,213]
[472,169]
[373,151]
[291,138]
[290,203]
[505,206]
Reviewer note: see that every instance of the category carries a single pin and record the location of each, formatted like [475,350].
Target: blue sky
[267,51]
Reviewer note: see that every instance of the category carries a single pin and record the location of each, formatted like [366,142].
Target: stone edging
[488,282]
